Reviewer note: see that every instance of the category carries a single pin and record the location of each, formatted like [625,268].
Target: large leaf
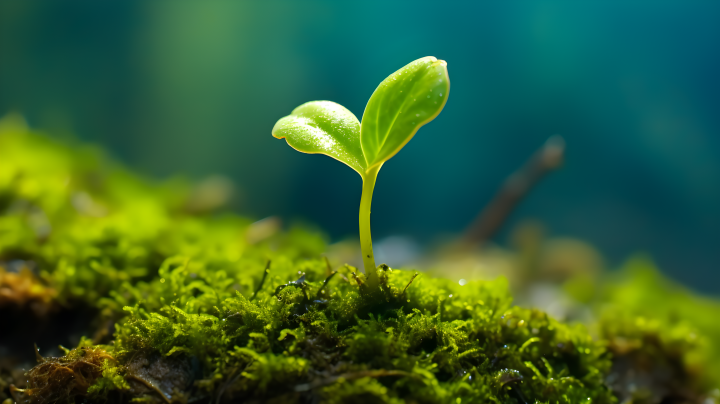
[402,103]
[324,127]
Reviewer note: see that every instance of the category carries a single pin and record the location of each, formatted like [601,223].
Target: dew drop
[462,282]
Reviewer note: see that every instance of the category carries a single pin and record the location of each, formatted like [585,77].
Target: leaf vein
[397,114]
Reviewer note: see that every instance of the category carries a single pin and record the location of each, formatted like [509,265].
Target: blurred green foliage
[651,319]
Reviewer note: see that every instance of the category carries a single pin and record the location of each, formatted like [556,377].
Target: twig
[408,285]
[328,267]
[317,296]
[38,357]
[14,390]
[262,281]
[514,189]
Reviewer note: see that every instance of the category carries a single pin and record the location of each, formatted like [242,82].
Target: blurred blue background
[195,87]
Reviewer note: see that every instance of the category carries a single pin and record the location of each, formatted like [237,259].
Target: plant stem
[365,238]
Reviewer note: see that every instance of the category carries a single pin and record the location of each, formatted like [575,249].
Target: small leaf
[323,127]
[402,103]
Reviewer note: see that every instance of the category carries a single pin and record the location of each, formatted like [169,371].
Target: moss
[435,341]
[84,371]
[663,337]
[190,305]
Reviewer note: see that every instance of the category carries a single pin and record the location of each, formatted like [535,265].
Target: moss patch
[185,305]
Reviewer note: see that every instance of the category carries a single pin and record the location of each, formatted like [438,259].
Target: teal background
[195,87]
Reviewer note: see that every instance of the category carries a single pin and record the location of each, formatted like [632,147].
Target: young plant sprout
[402,103]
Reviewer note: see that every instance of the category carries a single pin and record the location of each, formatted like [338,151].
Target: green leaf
[324,127]
[402,103]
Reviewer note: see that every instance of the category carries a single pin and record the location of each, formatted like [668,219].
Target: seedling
[402,103]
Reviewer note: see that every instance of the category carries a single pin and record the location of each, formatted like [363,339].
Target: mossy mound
[662,337]
[181,304]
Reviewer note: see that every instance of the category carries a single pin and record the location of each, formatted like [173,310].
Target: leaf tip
[276,130]
[433,61]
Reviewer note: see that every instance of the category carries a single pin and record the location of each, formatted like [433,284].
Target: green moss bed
[137,291]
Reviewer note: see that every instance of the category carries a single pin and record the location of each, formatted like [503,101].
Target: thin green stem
[365,238]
